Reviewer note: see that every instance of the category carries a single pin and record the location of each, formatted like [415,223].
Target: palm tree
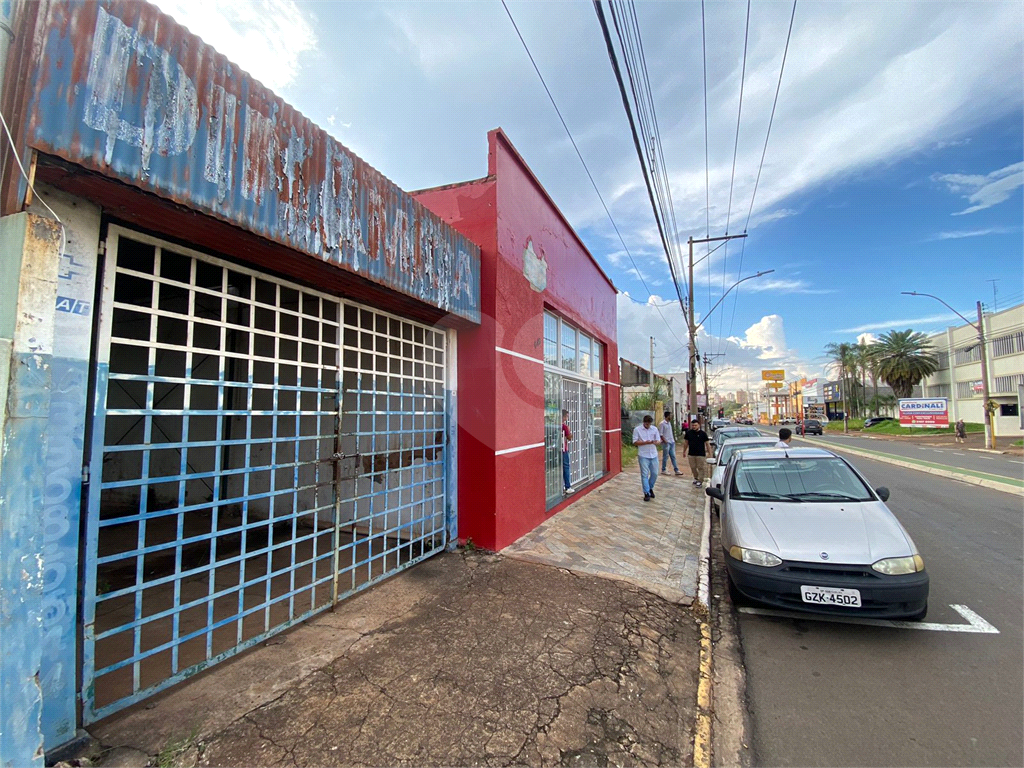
[868,358]
[904,359]
[844,356]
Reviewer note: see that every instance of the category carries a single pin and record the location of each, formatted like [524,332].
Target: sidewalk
[574,646]
[613,533]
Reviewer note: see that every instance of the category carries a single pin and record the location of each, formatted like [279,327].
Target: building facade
[228,368]
[546,342]
[959,375]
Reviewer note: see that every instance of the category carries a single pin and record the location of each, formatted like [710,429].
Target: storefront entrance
[259,450]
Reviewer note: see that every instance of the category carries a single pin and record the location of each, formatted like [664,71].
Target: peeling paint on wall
[122,90]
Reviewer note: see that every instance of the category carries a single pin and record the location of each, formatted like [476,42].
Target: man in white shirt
[646,439]
[785,438]
[668,439]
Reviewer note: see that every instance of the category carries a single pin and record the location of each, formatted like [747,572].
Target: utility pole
[990,432]
[995,293]
[692,326]
[651,375]
[990,436]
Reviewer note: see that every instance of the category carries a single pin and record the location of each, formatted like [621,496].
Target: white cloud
[762,345]
[962,233]
[867,339]
[783,285]
[888,325]
[984,191]
[264,37]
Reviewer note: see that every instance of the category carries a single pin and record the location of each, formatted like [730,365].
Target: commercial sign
[776,384]
[775,375]
[924,412]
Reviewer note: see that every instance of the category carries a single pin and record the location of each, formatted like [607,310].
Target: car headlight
[754,556]
[897,566]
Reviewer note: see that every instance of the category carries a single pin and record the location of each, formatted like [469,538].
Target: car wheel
[735,595]
[920,614]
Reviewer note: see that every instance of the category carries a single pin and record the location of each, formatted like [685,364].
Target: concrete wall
[531,260]
[29,248]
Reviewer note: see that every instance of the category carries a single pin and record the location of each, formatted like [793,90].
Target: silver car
[727,450]
[728,433]
[802,529]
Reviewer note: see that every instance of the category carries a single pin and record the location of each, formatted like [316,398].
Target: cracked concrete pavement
[470,658]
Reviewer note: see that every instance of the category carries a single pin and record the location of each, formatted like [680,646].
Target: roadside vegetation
[628,452]
[901,359]
[894,428]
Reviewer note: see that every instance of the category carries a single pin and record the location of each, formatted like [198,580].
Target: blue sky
[895,161]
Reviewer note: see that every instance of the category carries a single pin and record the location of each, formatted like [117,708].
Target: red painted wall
[501,394]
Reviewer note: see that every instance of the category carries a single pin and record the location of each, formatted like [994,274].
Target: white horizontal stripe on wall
[519,354]
[518,448]
[617,429]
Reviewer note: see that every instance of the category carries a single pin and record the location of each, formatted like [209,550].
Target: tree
[868,358]
[844,356]
[904,359]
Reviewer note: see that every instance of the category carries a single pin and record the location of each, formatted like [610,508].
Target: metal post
[990,433]
[692,385]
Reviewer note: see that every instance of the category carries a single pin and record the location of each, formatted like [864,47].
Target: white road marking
[1014,461]
[976,625]
[986,458]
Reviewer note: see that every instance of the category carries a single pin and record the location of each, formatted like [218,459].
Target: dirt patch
[507,663]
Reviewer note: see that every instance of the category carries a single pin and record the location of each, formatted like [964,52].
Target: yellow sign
[776,384]
[773,375]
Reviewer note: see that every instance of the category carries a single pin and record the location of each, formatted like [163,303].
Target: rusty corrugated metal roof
[121,89]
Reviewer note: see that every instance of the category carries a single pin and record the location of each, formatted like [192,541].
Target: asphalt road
[994,464]
[828,694]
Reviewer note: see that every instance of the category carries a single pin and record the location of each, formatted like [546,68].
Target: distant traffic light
[721,413]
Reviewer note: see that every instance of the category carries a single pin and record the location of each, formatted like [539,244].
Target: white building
[961,380]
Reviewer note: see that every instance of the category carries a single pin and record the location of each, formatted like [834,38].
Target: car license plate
[844,598]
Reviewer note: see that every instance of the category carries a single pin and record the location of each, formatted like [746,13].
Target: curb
[702,722]
[988,482]
[971,480]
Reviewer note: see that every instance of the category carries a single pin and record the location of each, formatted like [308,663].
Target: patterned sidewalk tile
[613,533]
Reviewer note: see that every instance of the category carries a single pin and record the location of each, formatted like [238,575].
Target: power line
[707,166]
[633,129]
[764,151]
[735,152]
[580,156]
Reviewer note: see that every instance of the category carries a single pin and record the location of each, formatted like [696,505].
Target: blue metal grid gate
[259,451]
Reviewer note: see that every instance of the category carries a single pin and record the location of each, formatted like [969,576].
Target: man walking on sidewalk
[668,439]
[695,450]
[646,439]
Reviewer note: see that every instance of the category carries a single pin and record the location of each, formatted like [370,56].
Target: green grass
[1017,442]
[894,428]
[837,426]
[628,454]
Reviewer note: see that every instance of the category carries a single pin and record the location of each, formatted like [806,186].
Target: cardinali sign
[924,412]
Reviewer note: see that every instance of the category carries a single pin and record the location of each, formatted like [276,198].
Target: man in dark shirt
[695,441]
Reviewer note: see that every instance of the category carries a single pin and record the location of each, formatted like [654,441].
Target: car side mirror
[715,493]
[712,460]
[883,492]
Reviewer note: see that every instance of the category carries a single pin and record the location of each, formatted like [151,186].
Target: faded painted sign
[121,89]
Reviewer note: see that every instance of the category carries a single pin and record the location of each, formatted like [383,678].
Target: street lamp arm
[915,293]
[708,313]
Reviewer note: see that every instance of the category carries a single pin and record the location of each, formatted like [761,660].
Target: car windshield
[797,479]
[723,436]
[811,423]
[730,448]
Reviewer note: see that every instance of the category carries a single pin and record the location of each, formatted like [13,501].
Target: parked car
[717,424]
[727,433]
[731,446]
[812,427]
[868,423]
[802,529]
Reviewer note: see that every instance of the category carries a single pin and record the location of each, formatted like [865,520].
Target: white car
[726,452]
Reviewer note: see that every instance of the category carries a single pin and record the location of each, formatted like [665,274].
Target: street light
[990,438]
[694,328]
